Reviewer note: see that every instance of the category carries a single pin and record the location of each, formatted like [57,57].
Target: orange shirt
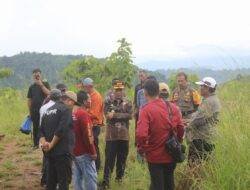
[96,108]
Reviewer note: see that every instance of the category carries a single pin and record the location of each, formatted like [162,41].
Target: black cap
[55,94]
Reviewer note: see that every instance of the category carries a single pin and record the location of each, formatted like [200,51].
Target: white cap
[207,81]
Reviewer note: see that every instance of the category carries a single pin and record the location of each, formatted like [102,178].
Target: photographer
[37,92]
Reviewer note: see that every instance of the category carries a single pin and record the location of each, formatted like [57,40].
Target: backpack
[26,126]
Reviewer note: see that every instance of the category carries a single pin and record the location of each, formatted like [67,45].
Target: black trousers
[162,176]
[115,151]
[96,133]
[44,170]
[35,117]
[59,172]
[199,150]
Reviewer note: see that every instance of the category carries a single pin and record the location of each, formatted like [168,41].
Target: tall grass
[228,170]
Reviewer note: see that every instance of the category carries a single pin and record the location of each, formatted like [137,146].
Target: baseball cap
[71,95]
[87,81]
[55,94]
[163,86]
[207,81]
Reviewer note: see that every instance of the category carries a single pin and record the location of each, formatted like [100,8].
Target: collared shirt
[118,126]
[203,121]
[137,88]
[154,127]
[186,99]
[141,100]
[96,108]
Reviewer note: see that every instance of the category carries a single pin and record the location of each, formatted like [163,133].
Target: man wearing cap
[201,129]
[62,87]
[187,98]
[55,95]
[96,114]
[164,91]
[118,112]
[56,140]
[37,92]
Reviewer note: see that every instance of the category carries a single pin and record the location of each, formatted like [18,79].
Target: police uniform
[201,131]
[117,133]
[187,100]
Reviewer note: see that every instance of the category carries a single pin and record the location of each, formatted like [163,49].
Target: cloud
[155,28]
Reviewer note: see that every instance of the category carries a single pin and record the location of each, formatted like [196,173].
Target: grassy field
[229,170]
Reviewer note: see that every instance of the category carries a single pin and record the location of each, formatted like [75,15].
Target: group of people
[67,125]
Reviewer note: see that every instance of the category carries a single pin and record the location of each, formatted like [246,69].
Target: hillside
[20,166]
[51,65]
[23,64]
[221,76]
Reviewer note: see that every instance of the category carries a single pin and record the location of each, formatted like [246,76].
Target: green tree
[120,63]
[102,71]
[5,72]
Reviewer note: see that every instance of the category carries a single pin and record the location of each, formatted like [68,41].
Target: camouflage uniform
[201,130]
[187,100]
[118,127]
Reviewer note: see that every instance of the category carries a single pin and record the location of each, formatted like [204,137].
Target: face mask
[164,95]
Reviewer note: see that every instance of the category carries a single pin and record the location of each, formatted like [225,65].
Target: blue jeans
[84,173]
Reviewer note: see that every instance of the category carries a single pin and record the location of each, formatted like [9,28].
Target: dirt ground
[20,165]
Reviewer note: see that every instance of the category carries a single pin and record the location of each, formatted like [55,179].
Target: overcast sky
[156,29]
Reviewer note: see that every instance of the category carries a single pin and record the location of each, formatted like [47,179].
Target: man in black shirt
[38,91]
[57,140]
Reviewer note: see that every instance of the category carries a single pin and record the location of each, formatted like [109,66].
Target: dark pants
[115,151]
[35,119]
[96,133]
[199,150]
[162,176]
[59,172]
[44,170]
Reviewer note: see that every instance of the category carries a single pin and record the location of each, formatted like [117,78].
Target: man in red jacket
[153,129]
[84,170]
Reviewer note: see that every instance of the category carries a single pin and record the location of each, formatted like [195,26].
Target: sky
[156,29]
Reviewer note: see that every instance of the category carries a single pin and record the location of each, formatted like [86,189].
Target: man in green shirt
[201,130]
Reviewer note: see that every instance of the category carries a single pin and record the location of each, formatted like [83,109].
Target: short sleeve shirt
[37,96]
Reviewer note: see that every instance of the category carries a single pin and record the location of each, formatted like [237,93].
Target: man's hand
[186,122]
[39,82]
[110,115]
[46,146]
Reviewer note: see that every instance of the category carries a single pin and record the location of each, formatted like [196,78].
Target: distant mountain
[202,56]
[23,64]
[215,63]
[221,76]
[51,65]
